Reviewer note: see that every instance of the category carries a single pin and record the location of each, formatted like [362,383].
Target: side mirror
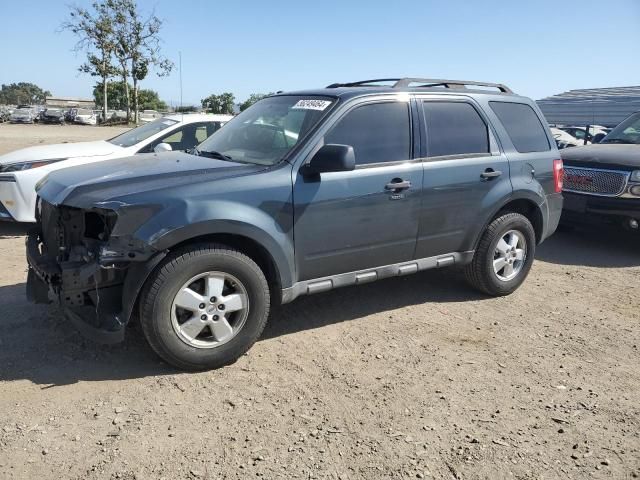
[162,147]
[332,158]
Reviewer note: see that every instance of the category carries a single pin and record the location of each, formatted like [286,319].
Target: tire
[171,330]
[481,274]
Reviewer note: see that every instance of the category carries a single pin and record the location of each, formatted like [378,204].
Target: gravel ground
[414,377]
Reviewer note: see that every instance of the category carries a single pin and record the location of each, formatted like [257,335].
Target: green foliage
[22,92]
[119,41]
[253,98]
[186,109]
[116,95]
[223,103]
[149,100]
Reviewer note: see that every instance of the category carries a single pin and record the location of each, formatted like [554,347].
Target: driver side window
[378,132]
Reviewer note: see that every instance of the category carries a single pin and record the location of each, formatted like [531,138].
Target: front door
[368,217]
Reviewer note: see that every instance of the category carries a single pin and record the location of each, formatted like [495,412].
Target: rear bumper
[554,205]
[593,208]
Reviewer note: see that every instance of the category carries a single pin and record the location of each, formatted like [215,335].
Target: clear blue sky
[538,47]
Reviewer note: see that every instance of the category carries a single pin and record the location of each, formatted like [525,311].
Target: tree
[223,104]
[95,31]
[253,98]
[137,44]
[150,100]
[22,92]
[186,109]
[116,93]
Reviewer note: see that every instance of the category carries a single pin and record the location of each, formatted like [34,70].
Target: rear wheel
[204,307]
[504,255]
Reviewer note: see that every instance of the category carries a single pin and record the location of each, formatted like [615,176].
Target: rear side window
[378,132]
[454,128]
[523,126]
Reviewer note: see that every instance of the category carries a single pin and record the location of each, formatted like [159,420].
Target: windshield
[626,132]
[141,133]
[267,131]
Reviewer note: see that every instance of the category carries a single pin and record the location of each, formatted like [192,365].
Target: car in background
[594,135]
[564,139]
[602,181]
[22,115]
[70,115]
[148,115]
[85,117]
[52,115]
[5,114]
[21,170]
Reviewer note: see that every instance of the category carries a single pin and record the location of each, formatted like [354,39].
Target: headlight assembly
[20,166]
[635,176]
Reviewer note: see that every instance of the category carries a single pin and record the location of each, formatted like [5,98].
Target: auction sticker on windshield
[312,104]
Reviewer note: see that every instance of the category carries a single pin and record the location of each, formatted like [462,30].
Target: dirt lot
[415,377]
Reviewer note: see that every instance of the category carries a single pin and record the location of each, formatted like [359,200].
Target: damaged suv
[301,193]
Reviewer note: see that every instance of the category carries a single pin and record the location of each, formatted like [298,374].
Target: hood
[60,150]
[602,154]
[87,185]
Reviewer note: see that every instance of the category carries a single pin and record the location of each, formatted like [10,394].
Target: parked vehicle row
[300,193]
[83,116]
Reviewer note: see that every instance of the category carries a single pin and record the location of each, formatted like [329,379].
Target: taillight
[558,175]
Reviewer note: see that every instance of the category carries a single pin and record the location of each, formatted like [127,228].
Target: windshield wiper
[212,154]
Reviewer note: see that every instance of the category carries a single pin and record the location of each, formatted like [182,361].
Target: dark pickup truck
[301,193]
[602,181]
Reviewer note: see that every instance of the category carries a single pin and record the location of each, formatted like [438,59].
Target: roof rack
[422,83]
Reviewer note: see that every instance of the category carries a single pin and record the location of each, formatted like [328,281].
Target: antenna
[180,68]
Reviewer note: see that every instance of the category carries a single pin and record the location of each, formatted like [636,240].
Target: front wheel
[204,306]
[504,255]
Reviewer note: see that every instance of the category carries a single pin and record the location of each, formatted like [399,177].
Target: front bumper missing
[70,287]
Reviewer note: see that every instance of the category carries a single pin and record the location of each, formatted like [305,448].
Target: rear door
[465,174]
[349,221]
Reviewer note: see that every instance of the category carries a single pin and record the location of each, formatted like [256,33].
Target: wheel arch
[524,204]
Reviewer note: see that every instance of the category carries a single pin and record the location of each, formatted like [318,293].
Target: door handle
[490,173]
[398,185]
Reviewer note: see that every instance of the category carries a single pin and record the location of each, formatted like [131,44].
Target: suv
[301,193]
[602,183]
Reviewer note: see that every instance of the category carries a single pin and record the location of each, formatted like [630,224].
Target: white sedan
[21,170]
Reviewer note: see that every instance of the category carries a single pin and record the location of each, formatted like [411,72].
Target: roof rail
[423,83]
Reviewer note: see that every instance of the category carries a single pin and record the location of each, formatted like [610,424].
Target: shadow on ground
[592,247]
[38,345]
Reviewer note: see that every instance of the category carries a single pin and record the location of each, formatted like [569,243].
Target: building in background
[70,102]
[593,106]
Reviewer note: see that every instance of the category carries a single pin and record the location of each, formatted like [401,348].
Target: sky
[537,47]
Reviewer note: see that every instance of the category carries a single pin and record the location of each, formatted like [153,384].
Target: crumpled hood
[602,154]
[60,150]
[85,186]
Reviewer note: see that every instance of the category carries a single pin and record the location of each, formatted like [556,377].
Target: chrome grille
[594,181]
